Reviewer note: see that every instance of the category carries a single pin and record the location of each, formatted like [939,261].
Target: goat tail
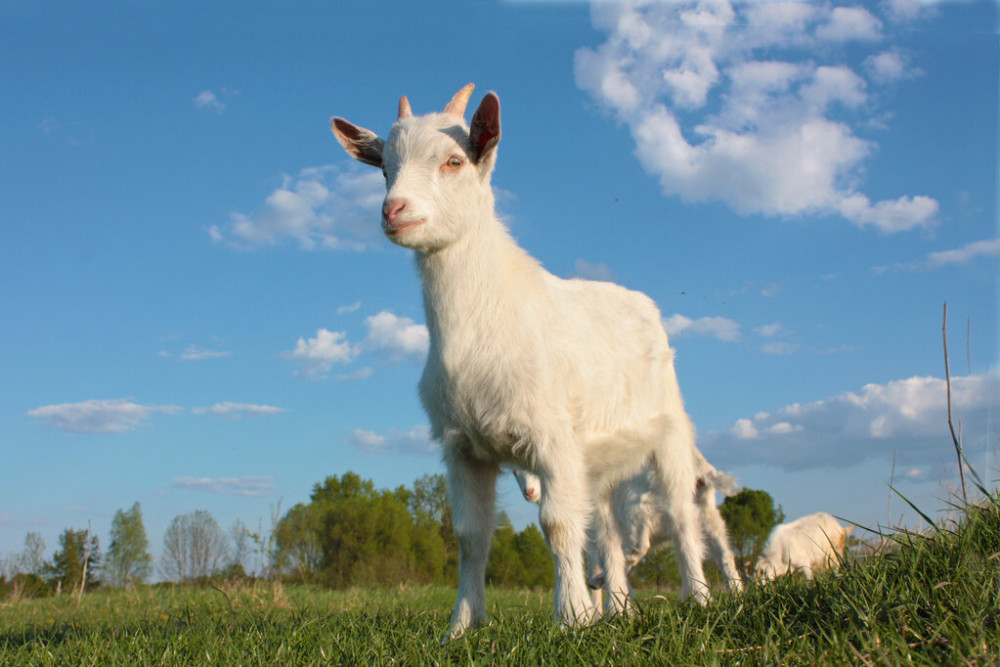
[723,482]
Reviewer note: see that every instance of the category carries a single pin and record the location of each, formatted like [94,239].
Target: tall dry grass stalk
[951,426]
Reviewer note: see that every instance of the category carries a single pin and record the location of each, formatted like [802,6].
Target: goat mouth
[391,229]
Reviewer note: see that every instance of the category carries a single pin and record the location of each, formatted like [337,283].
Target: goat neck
[476,284]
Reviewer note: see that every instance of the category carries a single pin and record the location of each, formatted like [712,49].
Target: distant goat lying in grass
[571,379]
[812,544]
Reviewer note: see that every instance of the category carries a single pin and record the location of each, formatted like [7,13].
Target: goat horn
[404,108]
[456,106]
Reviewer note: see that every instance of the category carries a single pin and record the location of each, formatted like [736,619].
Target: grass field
[930,600]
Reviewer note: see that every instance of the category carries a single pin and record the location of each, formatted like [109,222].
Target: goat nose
[392,208]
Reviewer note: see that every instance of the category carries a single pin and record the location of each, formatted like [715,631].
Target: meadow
[926,599]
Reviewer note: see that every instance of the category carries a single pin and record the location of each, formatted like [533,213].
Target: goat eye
[454,162]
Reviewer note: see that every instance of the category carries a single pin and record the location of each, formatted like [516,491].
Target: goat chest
[489,398]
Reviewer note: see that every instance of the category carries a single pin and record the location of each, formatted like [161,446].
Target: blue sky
[199,310]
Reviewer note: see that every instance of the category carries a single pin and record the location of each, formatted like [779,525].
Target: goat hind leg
[684,519]
[717,537]
[595,573]
[606,537]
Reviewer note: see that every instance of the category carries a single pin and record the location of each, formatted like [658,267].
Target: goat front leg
[472,488]
[564,515]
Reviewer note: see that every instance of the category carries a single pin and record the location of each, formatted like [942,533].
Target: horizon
[201,312]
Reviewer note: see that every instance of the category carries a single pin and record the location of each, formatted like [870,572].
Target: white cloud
[366,440]
[783,428]
[889,216]
[396,338]
[908,416]
[414,442]
[206,99]
[718,327]
[768,330]
[323,208]
[840,349]
[195,353]
[889,66]
[237,410]
[350,308]
[73,133]
[780,22]
[99,416]
[317,355]
[209,101]
[965,254]
[744,429]
[845,24]
[956,256]
[254,487]
[393,338]
[906,10]
[724,104]
[360,374]
[592,271]
[779,348]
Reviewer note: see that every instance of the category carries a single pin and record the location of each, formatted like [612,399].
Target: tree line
[349,533]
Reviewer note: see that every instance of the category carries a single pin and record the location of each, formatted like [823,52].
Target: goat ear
[361,144]
[484,132]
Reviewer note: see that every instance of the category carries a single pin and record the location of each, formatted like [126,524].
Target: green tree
[79,552]
[299,544]
[657,569]
[351,533]
[242,540]
[32,559]
[431,506]
[519,559]
[750,515]
[429,499]
[128,560]
[22,575]
[366,537]
[504,567]
[348,487]
[539,570]
[194,547]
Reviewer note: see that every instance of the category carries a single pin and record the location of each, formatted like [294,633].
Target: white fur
[644,525]
[571,379]
[808,545]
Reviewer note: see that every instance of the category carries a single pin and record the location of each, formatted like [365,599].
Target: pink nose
[393,208]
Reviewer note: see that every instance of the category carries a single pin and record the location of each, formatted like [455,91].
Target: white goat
[641,520]
[571,379]
[808,545]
